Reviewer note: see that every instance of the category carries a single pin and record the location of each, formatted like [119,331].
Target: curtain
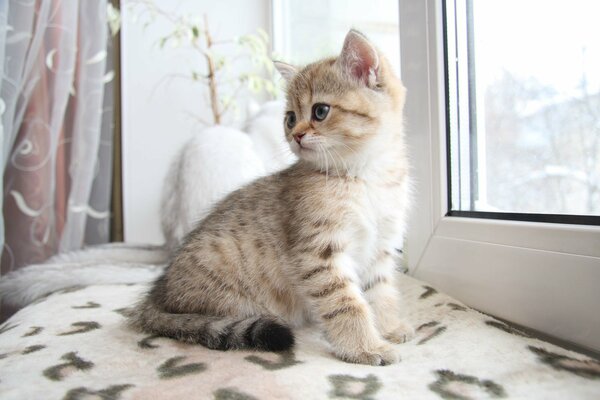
[56,127]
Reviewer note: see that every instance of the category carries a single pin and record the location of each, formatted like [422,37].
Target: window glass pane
[524,105]
[308,30]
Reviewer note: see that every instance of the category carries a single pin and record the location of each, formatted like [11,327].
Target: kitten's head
[342,112]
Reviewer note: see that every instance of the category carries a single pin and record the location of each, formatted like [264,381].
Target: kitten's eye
[320,111]
[290,119]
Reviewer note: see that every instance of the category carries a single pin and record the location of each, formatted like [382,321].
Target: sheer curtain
[56,127]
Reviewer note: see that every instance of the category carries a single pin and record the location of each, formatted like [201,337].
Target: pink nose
[298,137]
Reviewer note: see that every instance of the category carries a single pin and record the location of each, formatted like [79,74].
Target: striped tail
[214,332]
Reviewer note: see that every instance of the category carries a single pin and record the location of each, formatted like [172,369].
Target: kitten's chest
[379,207]
[377,210]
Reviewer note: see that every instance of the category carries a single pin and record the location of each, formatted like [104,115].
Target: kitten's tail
[214,332]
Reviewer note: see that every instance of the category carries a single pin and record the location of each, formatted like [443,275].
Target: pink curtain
[57,128]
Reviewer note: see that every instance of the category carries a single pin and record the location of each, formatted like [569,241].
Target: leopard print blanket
[74,344]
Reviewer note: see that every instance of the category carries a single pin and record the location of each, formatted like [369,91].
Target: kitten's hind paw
[401,334]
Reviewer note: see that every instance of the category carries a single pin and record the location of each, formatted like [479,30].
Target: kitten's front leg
[382,295]
[347,318]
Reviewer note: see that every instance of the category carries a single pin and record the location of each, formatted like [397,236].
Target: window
[305,31]
[457,58]
[524,109]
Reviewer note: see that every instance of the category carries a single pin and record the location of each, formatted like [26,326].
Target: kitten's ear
[287,71]
[359,59]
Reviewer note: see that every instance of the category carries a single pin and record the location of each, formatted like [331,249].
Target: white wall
[154,119]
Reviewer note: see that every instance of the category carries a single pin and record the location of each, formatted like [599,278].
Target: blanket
[75,344]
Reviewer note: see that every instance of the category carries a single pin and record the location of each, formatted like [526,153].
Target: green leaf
[269,86]
[268,64]
[163,41]
[254,84]
[263,35]
[219,62]
[225,100]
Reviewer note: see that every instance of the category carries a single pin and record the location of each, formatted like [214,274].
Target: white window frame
[543,276]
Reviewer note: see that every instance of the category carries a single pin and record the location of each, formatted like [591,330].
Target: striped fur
[312,243]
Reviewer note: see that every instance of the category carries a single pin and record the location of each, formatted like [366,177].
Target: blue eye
[290,119]
[320,111]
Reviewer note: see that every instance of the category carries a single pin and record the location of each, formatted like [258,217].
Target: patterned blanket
[74,344]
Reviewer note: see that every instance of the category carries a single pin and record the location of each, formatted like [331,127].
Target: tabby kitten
[313,243]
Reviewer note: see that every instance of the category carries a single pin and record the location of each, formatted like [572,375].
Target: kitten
[312,243]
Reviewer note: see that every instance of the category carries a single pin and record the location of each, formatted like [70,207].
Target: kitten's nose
[298,137]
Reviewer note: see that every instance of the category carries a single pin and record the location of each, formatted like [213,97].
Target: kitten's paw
[402,333]
[383,355]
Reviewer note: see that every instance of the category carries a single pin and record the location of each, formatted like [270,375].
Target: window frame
[467,181]
[541,275]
